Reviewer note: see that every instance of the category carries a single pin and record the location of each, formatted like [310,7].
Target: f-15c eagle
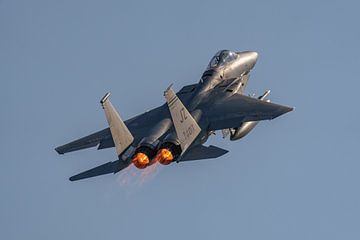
[177,130]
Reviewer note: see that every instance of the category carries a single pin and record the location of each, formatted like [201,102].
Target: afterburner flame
[164,156]
[140,160]
[131,178]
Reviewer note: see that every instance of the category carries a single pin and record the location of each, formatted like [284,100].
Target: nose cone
[254,56]
[250,56]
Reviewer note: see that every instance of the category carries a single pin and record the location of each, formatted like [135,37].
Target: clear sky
[296,177]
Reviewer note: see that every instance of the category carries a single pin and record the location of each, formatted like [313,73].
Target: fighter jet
[177,130]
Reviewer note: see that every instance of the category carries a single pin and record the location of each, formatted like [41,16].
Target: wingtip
[291,109]
[283,110]
[74,178]
[58,150]
[286,110]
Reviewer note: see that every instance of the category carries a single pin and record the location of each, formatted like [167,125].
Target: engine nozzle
[142,157]
[140,160]
[164,156]
[167,153]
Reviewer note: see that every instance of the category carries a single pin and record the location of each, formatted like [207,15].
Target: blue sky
[295,177]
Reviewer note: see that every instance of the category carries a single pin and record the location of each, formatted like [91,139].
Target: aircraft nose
[250,56]
[253,56]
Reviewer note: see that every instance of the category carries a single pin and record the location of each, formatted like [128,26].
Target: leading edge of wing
[230,112]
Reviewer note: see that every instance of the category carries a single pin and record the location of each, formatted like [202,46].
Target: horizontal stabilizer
[202,152]
[110,167]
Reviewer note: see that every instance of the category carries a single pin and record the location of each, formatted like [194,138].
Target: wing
[139,127]
[229,112]
[103,136]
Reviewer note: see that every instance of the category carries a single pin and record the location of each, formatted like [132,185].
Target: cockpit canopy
[221,58]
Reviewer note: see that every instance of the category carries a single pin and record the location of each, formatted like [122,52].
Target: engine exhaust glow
[140,160]
[164,156]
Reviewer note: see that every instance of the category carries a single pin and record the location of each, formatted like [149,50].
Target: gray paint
[213,105]
[292,178]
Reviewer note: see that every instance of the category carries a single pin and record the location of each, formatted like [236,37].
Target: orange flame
[131,177]
[164,156]
[141,160]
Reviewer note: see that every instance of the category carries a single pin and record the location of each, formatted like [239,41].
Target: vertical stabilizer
[185,125]
[120,133]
